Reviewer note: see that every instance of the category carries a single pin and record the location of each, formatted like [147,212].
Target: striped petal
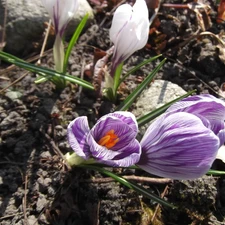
[125,157]
[178,146]
[129,31]
[122,130]
[213,109]
[77,132]
[61,12]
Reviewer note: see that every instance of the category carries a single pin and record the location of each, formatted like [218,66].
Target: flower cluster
[181,144]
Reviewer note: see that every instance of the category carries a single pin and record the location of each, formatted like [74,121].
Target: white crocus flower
[129,31]
[61,12]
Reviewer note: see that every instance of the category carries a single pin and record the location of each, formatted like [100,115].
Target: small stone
[41,202]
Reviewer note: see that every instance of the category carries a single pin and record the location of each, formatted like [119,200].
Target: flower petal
[77,132]
[178,146]
[126,117]
[125,157]
[61,12]
[121,16]
[213,109]
[129,31]
[124,132]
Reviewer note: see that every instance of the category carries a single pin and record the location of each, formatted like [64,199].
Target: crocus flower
[179,145]
[206,107]
[129,31]
[111,141]
[61,12]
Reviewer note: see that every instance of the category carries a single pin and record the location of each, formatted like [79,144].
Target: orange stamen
[109,139]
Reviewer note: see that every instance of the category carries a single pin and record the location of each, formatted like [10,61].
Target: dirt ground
[36,187]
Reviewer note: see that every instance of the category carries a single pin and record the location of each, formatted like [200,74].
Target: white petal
[61,12]
[221,153]
[129,31]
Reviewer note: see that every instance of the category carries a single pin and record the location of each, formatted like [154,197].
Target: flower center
[109,139]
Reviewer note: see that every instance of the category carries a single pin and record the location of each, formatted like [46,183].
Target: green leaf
[131,98]
[74,40]
[116,78]
[130,185]
[157,112]
[216,172]
[44,72]
[139,66]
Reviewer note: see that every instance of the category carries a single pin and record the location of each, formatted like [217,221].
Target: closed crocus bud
[61,12]
[206,107]
[129,31]
[179,145]
[111,141]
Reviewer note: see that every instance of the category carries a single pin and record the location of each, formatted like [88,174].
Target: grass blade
[131,98]
[73,41]
[130,185]
[44,72]
[155,113]
[139,66]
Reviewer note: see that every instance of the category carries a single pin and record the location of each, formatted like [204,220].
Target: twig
[56,149]
[25,201]
[44,42]
[130,177]
[13,163]
[158,205]
[14,82]
[9,216]
[2,44]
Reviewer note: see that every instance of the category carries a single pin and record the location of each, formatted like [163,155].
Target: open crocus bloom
[129,31]
[179,145]
[111,141]
[61,12]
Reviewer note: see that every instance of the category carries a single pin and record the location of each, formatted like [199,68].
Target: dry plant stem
[56,149]
[25,201]
[2,44]
[14,82]
[45,41]
[9,216]
[158,205]
[13,163]
[131,177]
[111,12]
[27,175]
[178,6]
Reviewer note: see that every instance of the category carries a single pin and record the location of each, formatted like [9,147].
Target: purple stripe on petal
[127,117]
[178,146]
[77,132]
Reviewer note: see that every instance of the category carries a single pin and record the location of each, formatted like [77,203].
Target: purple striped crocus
[111,141]
[183,142]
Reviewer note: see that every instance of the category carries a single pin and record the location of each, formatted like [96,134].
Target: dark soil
[36,187]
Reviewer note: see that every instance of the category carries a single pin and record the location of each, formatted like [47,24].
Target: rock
[159,93]
[41,203]
[25,24]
